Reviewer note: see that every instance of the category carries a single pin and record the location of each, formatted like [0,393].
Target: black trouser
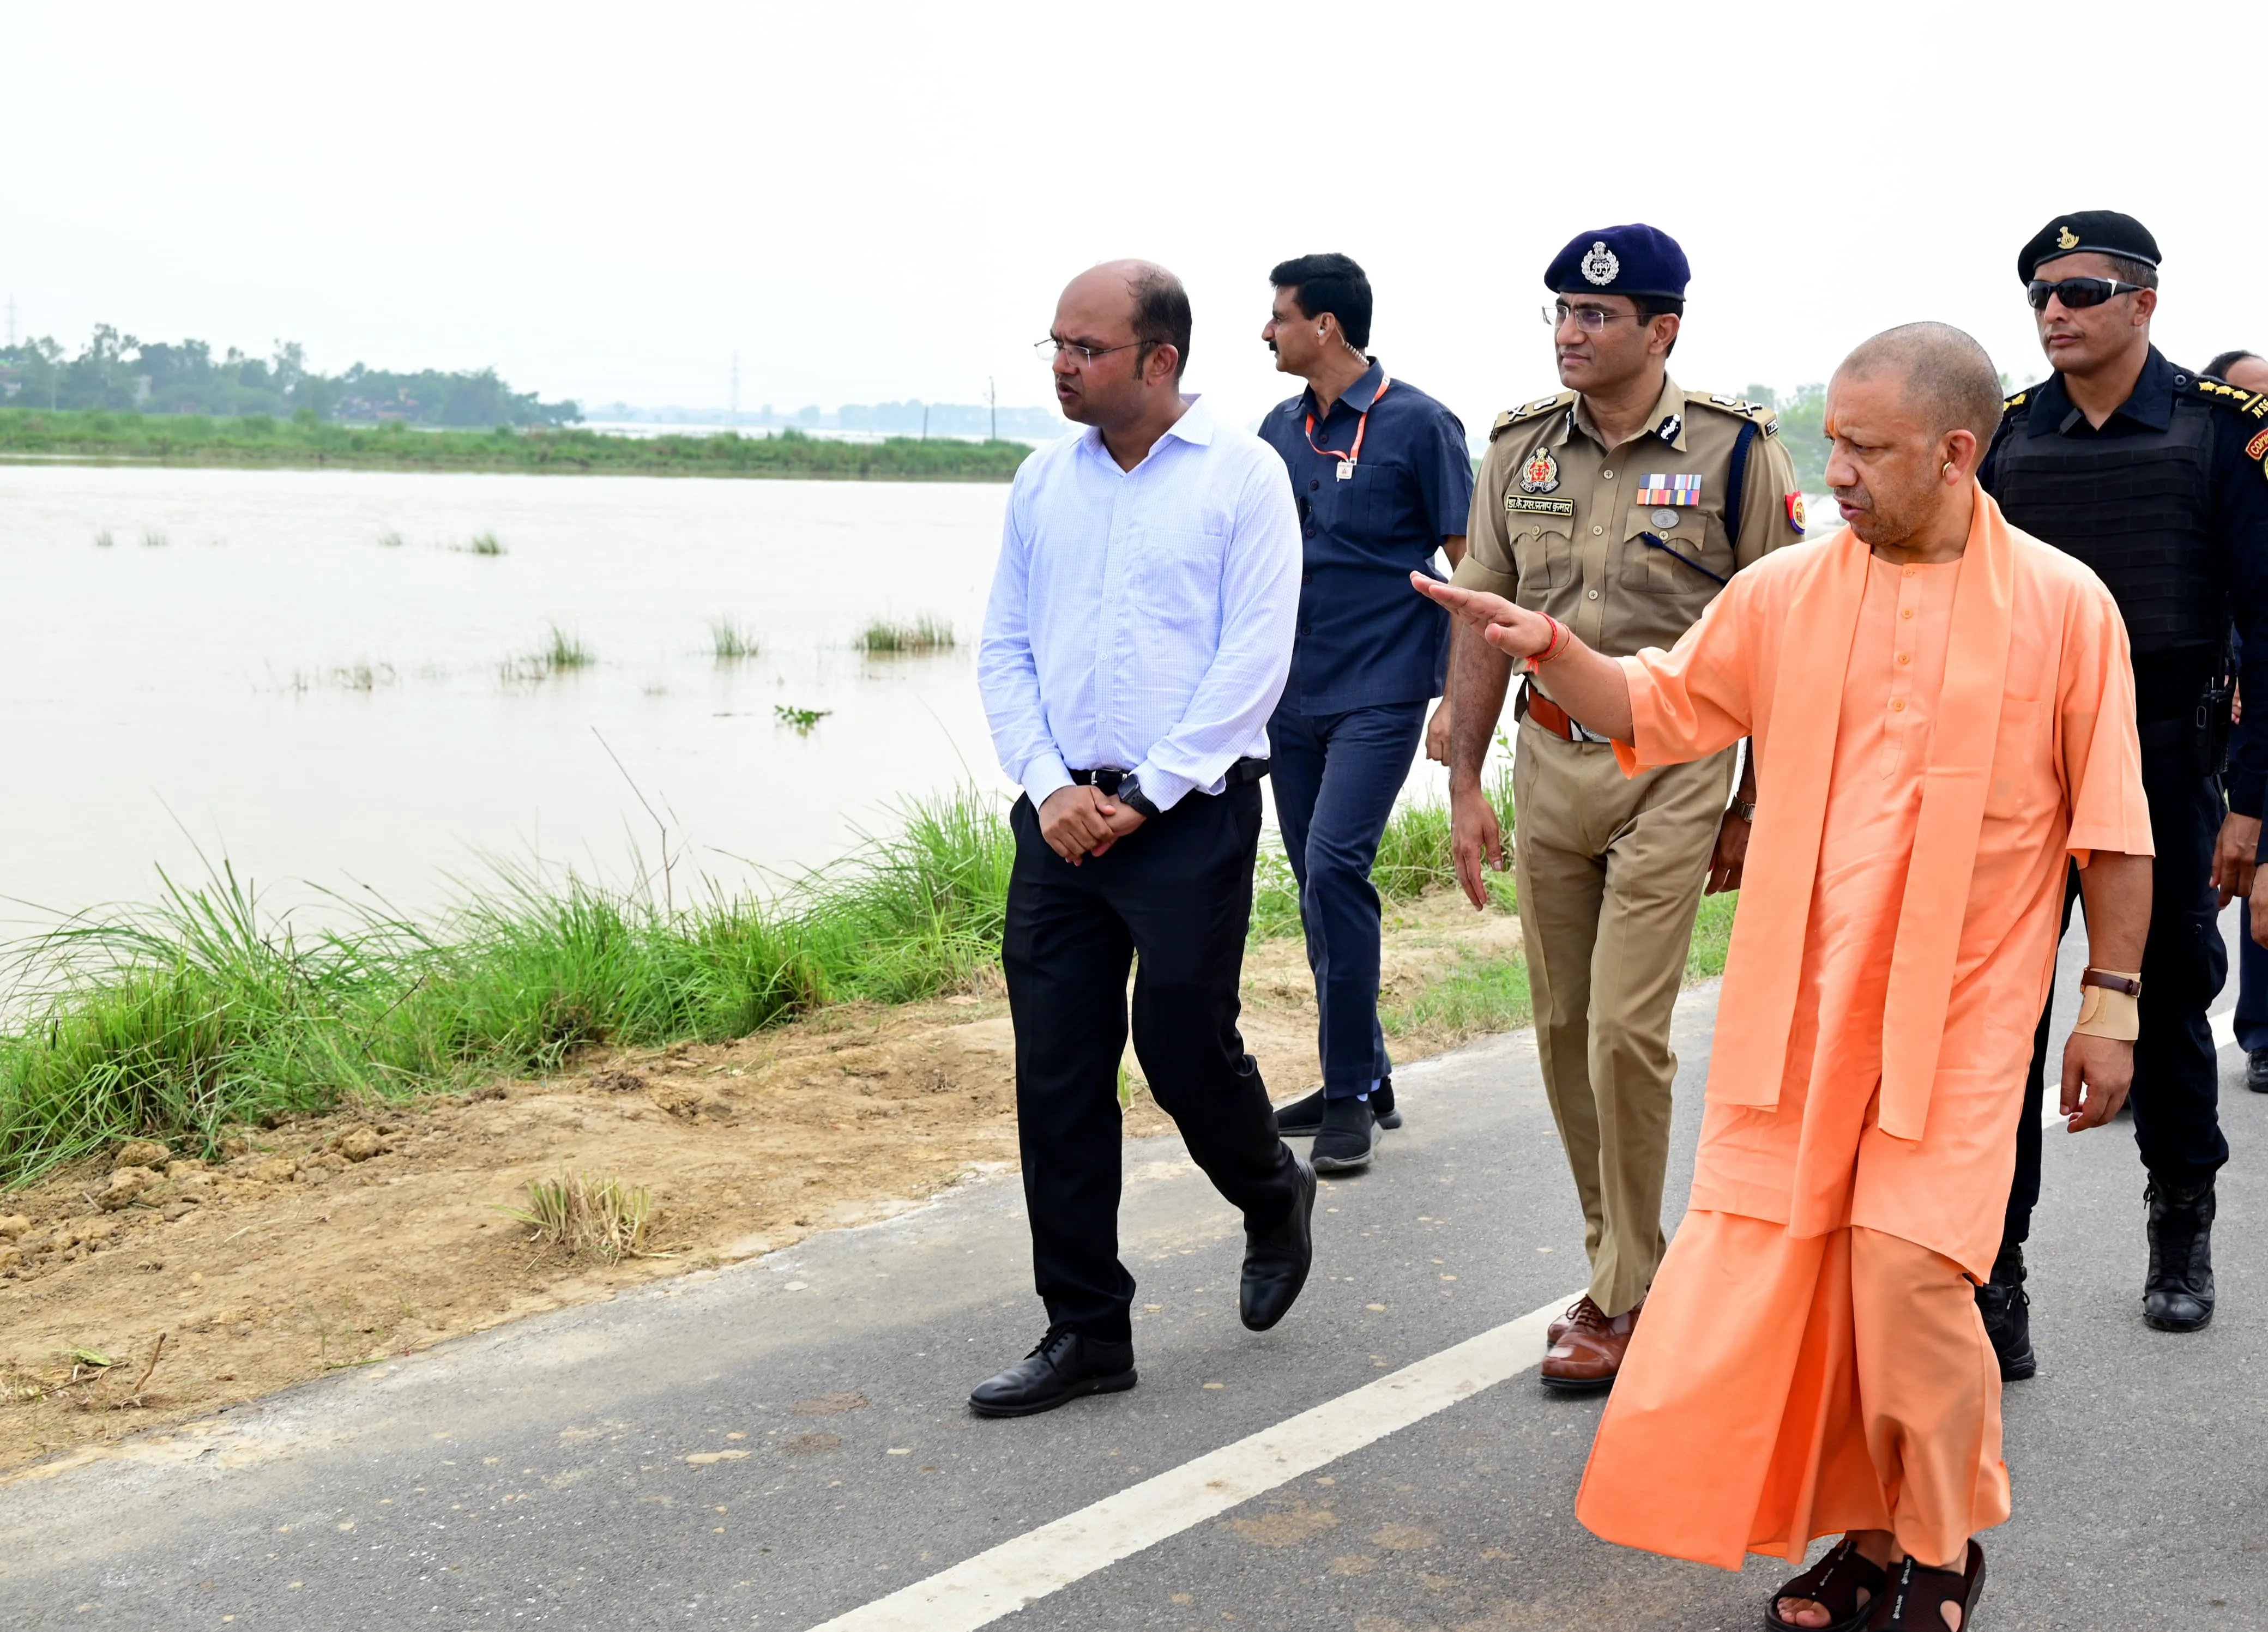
[1179,892]
[2176,1090]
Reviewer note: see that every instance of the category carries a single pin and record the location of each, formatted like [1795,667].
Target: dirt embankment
[377,1232]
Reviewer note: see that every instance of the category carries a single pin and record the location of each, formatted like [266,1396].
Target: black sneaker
[2178,1295]
[1303,1116]
[1347,1139]
[1065,1366]
[2255,1070]
[2007,1309]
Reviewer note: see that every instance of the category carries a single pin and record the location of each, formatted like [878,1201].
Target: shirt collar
[1195,427]
[1669,415]
[2150,405]
[1357,398]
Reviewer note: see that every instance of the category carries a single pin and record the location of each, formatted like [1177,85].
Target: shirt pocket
[1543,550]
[2019,752]
[1175,575]
[1684,558]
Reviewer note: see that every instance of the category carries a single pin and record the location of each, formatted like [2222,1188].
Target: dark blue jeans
[1337,776]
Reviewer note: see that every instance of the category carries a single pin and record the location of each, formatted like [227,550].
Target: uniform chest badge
[1540,473]
[1600,267]
[1669,490]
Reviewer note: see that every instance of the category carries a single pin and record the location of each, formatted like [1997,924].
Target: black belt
[1106,776]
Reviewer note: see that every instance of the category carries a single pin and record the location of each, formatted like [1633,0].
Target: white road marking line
[2223,1023]
[1004,1579]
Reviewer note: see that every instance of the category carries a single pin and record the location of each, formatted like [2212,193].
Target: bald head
[1155,305]
[1947,381]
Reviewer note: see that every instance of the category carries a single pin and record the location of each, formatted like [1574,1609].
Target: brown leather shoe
[1561,1321]
[1589,1351]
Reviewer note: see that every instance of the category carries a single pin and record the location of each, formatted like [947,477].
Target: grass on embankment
[206,1011]
[927,632]
[256,439]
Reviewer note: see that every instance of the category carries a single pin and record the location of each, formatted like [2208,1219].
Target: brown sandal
[1918,1597]
[1834,1583]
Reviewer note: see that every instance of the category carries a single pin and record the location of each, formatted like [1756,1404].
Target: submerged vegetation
[732,641]
[885,637]
[561,653]
[306,441]
[208,1011]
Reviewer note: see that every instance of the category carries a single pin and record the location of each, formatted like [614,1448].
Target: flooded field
[323,678]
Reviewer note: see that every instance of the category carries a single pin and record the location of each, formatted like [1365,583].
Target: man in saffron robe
[1943,708]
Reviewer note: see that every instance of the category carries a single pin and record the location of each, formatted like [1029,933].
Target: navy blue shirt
[2239,523]
[1364,638]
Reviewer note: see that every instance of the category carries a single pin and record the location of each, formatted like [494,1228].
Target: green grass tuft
[484,544]
[1481,995]
[732,641]
[207,1011]
[926,633]
[103,540]
[393,540]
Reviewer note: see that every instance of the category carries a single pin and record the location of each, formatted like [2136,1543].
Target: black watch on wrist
[1129,792]
[1745,809]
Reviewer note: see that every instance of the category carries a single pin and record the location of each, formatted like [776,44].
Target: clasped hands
[1080,821]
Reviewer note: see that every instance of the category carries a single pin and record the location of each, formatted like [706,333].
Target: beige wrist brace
[2105,1012]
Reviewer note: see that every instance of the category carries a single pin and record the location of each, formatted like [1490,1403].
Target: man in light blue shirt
[1137,641]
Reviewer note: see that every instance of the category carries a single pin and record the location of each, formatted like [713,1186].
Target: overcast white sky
[874,201]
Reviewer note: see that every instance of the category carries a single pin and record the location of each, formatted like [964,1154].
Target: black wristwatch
[1129,792]
[1745,809]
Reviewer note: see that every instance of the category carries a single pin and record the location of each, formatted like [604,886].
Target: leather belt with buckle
[1533,705]
[1107,777]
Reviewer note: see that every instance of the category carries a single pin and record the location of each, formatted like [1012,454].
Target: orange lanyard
[1348,461]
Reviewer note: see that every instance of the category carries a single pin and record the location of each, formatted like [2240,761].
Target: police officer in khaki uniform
[1620,506]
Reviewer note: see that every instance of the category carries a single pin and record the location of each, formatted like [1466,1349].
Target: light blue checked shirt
[1142,618]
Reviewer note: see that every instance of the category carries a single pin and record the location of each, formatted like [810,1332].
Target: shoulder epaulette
[1755,413]
[2015,402]
[2220,394]
[1510,417]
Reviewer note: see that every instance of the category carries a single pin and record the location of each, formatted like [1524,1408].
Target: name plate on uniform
[1522,502]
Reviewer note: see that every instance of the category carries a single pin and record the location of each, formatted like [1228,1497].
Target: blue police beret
[1633,259]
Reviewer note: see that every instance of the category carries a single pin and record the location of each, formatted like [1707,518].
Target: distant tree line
[121,374]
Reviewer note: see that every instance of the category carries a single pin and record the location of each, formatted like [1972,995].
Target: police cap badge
[1633,259]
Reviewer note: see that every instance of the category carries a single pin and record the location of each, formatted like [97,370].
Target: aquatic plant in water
[732,641]
[801,720]
[926,633]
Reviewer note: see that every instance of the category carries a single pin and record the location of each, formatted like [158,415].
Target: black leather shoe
[2177,1297]
[2008,1312]
[1348,1138]
[1065,1366]
[1277,1262]
[1381,1102]
[2255,1070]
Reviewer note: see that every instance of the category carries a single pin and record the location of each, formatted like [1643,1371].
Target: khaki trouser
[1610,870]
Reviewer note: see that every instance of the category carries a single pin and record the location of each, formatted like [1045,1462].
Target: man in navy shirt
[1382,479]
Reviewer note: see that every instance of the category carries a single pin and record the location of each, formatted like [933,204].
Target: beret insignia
[1601,266]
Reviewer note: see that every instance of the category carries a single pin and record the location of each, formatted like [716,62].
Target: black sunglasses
[2077,292]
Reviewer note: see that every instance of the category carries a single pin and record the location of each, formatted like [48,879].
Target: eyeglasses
[1590,319]
[1049,350]
[2078,293]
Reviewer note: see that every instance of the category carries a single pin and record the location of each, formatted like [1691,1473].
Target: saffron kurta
[1712,1384]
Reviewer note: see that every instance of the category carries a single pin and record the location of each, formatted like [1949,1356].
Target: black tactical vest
[2133,507]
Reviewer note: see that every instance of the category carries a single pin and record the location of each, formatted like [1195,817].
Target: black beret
[2087,231]
[1632,259]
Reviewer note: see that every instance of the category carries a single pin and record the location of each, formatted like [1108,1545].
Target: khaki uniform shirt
[1626,545]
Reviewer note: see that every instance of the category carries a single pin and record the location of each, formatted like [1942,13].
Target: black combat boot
[2177,1297]
[2008,1312]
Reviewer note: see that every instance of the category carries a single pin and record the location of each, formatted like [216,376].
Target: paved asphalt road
[539,1476]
